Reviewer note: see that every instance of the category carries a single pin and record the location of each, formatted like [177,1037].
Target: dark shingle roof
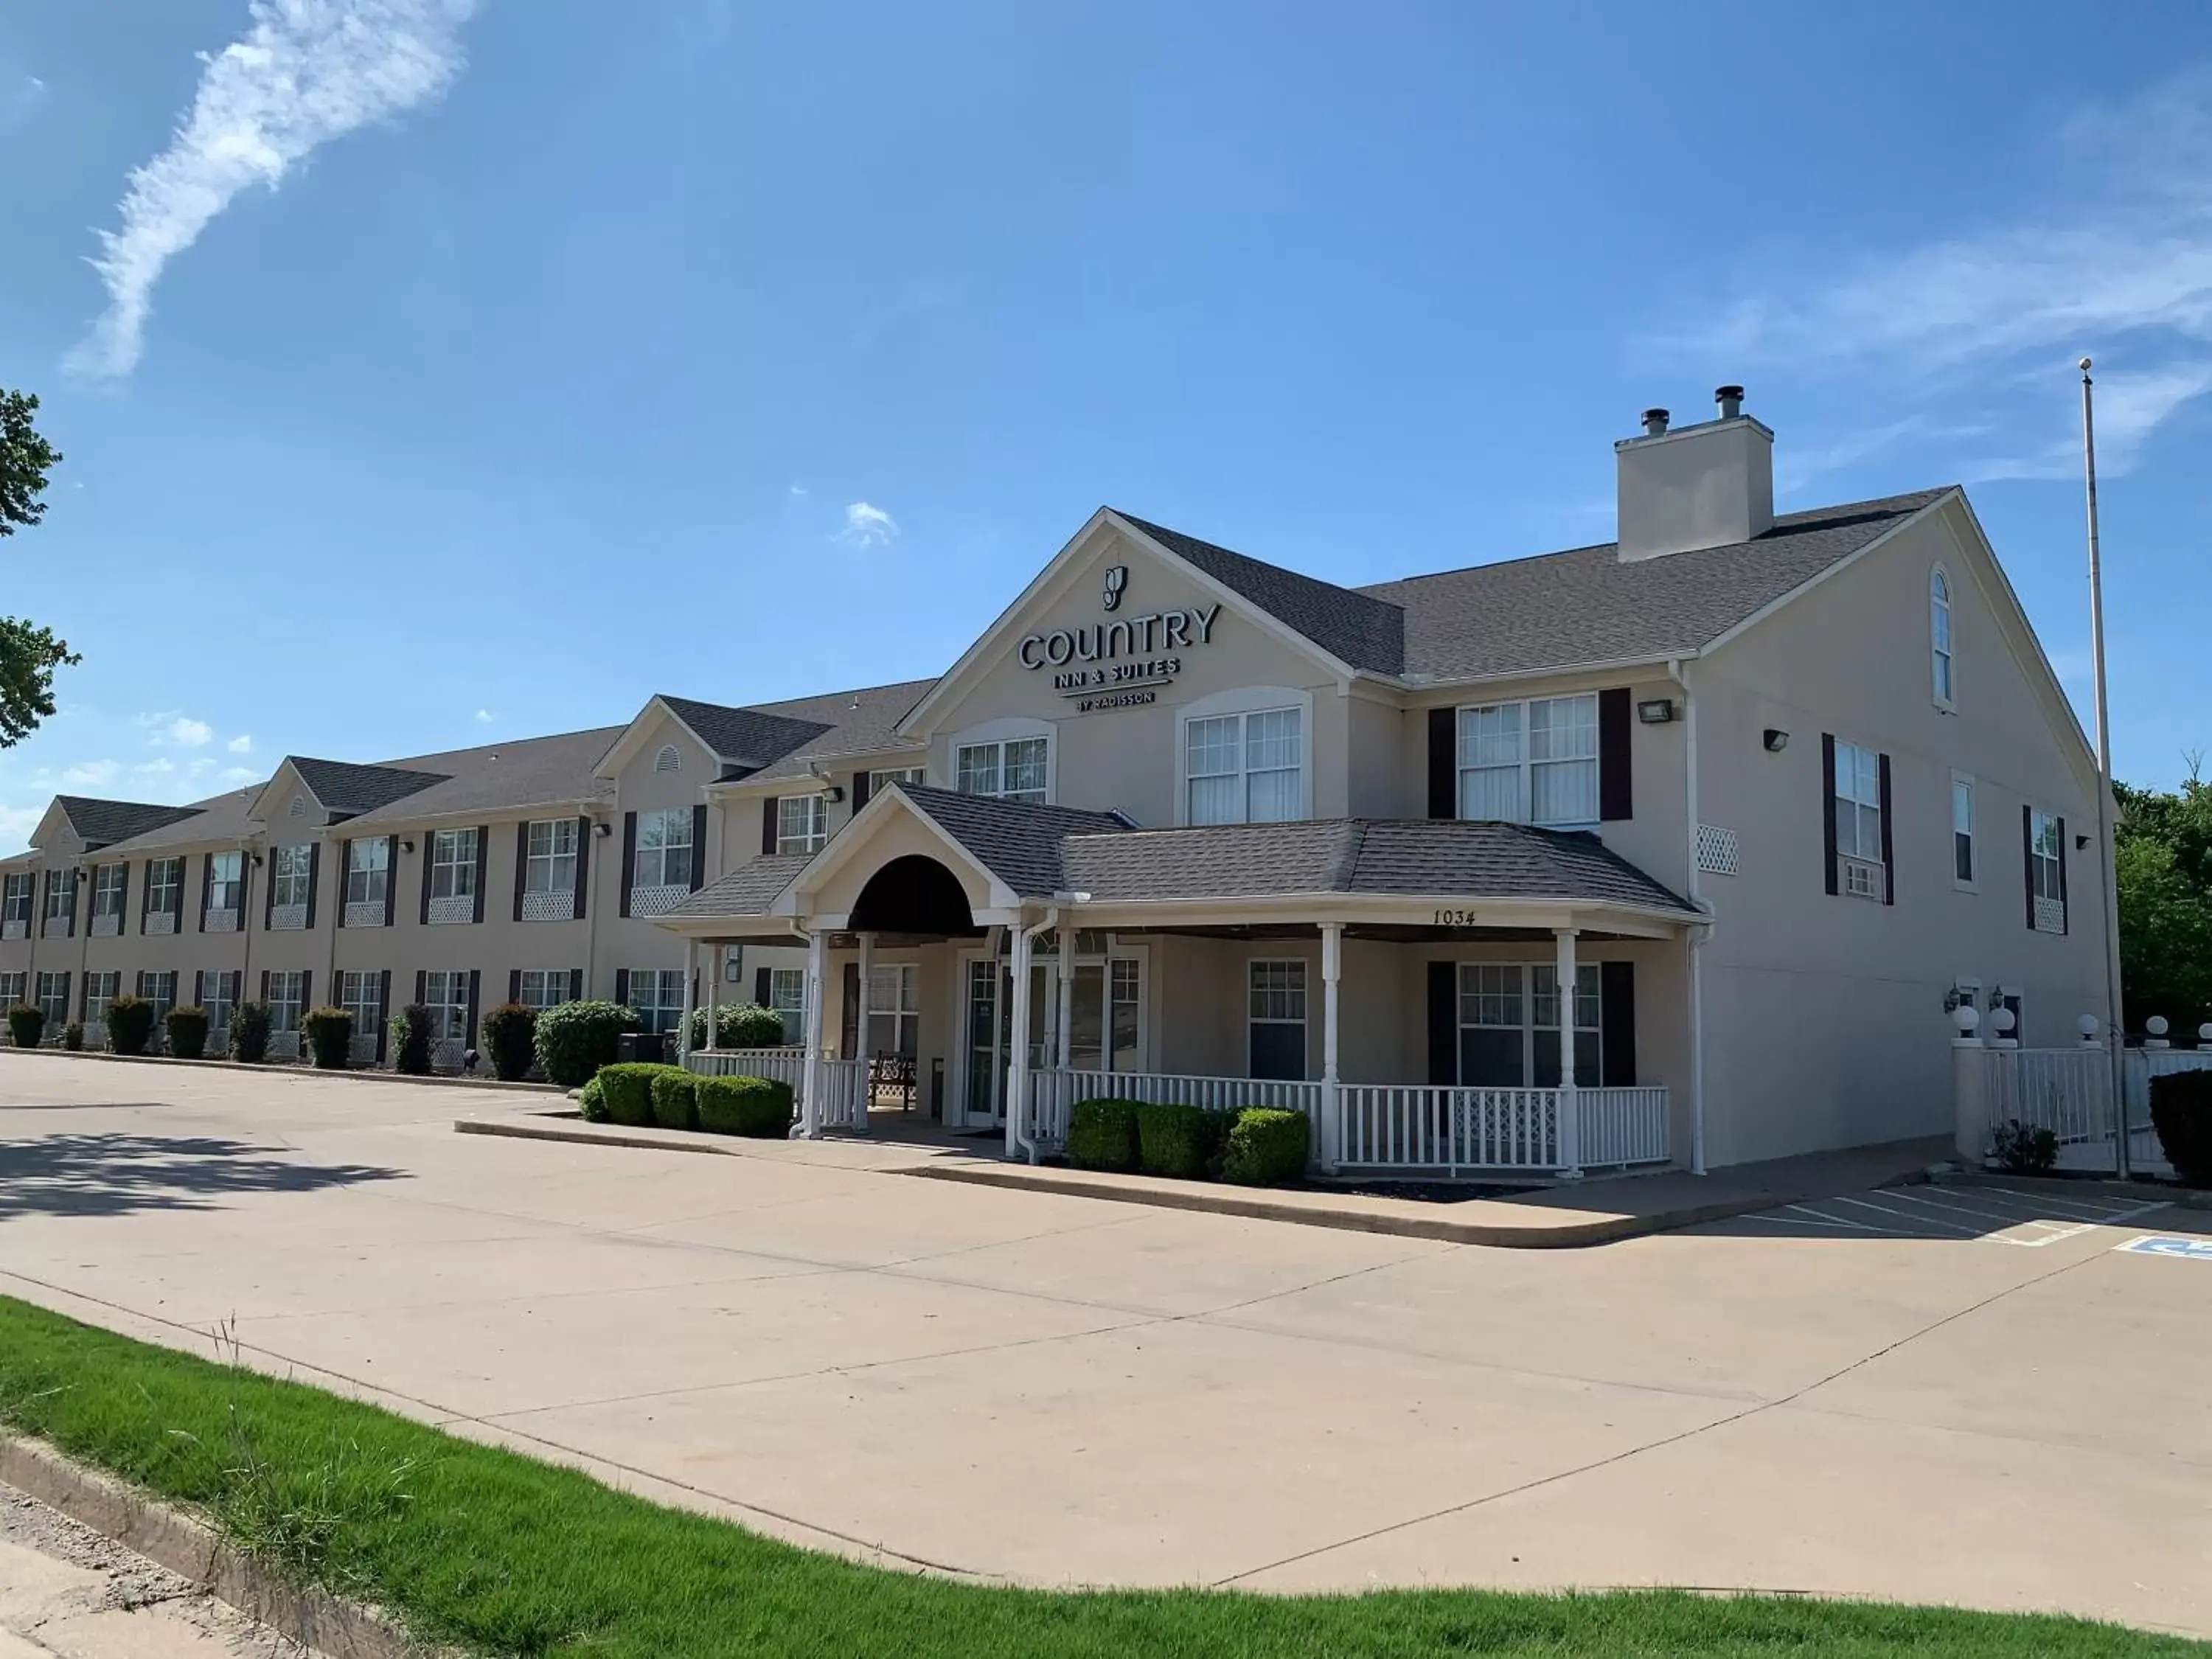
[1017,843]
[751,738]
[1354,627]
[747,891]
[558,770]
[103,823]
[1560,609]
[1418,857]
[349,790]
[859,722]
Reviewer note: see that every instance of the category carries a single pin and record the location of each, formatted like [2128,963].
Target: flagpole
[2115,1032]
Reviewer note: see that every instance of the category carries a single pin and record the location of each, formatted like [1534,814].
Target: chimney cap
[1730,399]
[1655,422]
[1728,392]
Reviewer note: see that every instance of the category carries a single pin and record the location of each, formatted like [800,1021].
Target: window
[61,896]
[894,1010]
[100,990]
[802,824]
[361,995]
[1245,769]
[2046,871]
[664,848]
[218,996]
[224,880]
[1939,635]
[53,998]
[1013,770]
[541,987]
[550,857]
[165,880]
[368,870]
[657,994]
[11,988]
[160,990]
[452,864]
[288,875]
[446,994]
[108,891]
[288,992]
[1509,1024]
[15,901]
[1857,783]
[1277,1019]
[1962,830]
[1530,763]
[883,776]
[787,995]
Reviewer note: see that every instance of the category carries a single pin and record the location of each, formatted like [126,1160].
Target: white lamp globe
[2002,1021]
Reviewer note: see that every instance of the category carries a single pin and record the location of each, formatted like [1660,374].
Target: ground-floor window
[218,996]
[1277,1019]
[159,988]
[100,990]
[657,994]
[288,992]
[361,995]
[541,987]
[1509,1024]
[11,989]
[446,994]
[53,999]
[787,995]
[895,1009]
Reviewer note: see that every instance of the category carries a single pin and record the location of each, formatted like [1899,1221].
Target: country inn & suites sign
[1119,664]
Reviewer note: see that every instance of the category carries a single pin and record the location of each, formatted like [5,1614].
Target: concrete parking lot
[1052,1389]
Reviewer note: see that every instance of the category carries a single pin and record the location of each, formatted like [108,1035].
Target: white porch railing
[2068,1091]
[844,1081]
[1052,1094]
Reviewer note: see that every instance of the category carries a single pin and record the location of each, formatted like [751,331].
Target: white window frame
[664,1012]
[662,849]
[61,896]
[878,777]
[1964,804]
[446,994]
[452,864]
[1942,655]
[289,867]
[894,996]
[165,881]
[997,738]
[225,999]
[1244,705]
[802,823]
[367,860]
[226,881]
[102,986]
[288,999]
[50,990]
[2047,871]
[159,987]
[362,994]
[1531,985]
[107,890]
[19,896]
[549,862]
[1859,871]
[1524,762]
[14,987]
[542,987]
[1298,983]
[787,995]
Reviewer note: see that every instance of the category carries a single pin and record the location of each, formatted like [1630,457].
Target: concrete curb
[288,1069]
[187,1548]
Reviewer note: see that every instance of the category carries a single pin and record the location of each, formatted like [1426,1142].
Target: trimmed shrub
[329,1032]
[510,1034]
[757,1106]
[627,1090]
[2181,1112]
[73,1036]
[1182,1141]
[129,1024]
[675,1098]
[188,1031]
[2021,1149]
[574,1040]
[411,1041]
[1102,1135]
[249,1032]
[1266,1148]
[591,1101]
[26,1025]
[739,1025]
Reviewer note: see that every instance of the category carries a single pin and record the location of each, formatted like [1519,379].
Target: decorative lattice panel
[1716,850]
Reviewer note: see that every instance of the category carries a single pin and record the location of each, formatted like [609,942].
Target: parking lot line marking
[2097,1212]
[1819,1219]
[1978,1212]
[1912,1216]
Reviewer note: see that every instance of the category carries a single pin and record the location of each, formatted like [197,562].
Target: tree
[28,653]
[2162,853]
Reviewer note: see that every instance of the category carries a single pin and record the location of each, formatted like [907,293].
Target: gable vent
[668,760]
[298,808]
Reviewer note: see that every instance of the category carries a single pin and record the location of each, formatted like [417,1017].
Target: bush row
[673,1098]
[1256,1147]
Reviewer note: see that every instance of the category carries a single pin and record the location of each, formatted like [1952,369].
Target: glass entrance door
[1105,1024]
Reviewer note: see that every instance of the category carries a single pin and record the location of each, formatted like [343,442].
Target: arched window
[1939,636]
[668,760]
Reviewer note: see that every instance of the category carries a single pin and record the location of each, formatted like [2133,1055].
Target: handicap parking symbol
[2193,1249]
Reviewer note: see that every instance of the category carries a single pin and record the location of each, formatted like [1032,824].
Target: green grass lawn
[505,1555]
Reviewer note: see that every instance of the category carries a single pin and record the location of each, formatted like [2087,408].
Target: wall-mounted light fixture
[257,859]
[603,830]
[1776,740]
[835,792]
[1655,711]
[2081,843]
[406,846]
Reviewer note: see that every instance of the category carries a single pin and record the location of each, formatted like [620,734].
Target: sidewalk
[1592,1212]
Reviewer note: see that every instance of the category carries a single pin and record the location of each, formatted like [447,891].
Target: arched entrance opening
[917,896]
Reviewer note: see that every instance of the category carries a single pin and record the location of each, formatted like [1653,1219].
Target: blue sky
[458,372]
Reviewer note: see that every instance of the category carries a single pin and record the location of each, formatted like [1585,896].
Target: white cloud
[160,768]
[169,729]
[240,744]
[799,491]
[16,823]
[307,71]
[866,525]
[240,775]
[483,717]
[91,775]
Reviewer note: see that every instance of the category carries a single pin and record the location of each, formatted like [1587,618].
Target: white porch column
[1064,1046]
[1969,1082]
[1570,1137]
[810,1103]
[867,1094]
[1018,1062]
[1330,1138]
[690,1000]
[715,949]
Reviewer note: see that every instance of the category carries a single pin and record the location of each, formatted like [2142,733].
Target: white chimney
[1689,486]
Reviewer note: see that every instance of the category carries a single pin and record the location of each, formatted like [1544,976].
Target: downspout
[1678,671]
[334,913]
[1018,1110]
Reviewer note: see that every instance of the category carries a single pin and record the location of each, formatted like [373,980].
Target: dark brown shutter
[629,861]
[622,986]
[268,896]
[476,977]
[861,783]
[1616,791]
[146,897]
[198,973]
[2065,910]
[698,846]
[207,888]
[344,869]
[264,985]
[514,985]
[391,878]
[1443,1022]
[315,879]
[484,868]
[141,981]
[583,865]
[521,863]
[575,985]
[122,903]
[849,1022]
[1888,868]
[1828,807]
[382,1010]
[421,985]
[307,991]
[769,815]
[761,992]
[2027,858]
[427,862]
[1616,987]
[1444,764]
